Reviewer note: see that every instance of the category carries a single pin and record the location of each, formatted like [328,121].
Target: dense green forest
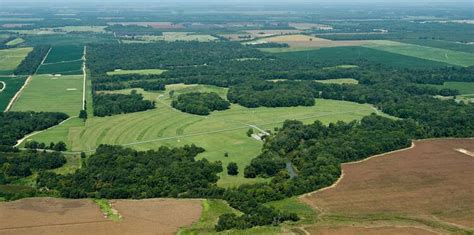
[110,104]
[30,64]
[16,165]
[200,103]
[15,125]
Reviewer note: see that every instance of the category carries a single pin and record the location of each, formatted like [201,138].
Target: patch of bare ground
[65,216]
[432,183]
[350,230]
[305,41]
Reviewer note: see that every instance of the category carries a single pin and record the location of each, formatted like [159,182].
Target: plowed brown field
[434,181]
[63,216]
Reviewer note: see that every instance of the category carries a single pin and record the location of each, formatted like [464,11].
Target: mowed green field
[464,88]
[52,94]
[137,71]
[430,53]
[13,84]
[15,42]
[219,133]
[11,58]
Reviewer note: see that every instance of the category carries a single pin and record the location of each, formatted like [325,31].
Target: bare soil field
[272,32]
[433,181]
[65,216]
[305,41]
[306,26]
[349,230]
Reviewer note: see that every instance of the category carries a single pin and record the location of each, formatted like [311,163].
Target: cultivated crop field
[351,55]
[412,187]
[9,87]
[219,133]
[66,60]
[62,216]
[11,58]
[43,91]
[304,41]
[430,53]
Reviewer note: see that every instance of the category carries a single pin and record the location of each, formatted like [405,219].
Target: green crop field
[424,52]
[70,39]
[64,53]
[11,58]
[219,133]
[351,55]
[138,71]
[64,68]
[455,46]
[13,84]
[15,42]
[53,94]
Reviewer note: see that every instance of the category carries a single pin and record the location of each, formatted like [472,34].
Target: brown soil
[157,25]
[62,216]
[431,181]
[349,230]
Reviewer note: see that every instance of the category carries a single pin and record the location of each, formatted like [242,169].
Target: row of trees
[200,103]
[59,146]
[29,65]
[110,104]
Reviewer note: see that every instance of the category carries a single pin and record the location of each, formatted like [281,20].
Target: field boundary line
[42,62]
[64,61]
[18,93]
[374,156]
[84,78]
[18,142]
[28,80]
[356,162]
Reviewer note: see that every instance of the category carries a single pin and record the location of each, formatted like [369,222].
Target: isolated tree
[226,154]
[232,169]
[250,132]
[60,146]
[171,93]
[83,115]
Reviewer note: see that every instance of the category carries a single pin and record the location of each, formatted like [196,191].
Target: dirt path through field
[85,76]
[18,93]
[18,142]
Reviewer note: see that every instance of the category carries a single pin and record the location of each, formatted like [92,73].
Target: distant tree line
[200,103]
[110,104]
[29,65]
